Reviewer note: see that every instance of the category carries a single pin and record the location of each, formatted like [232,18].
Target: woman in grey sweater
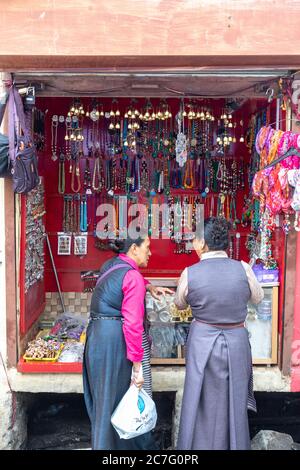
[218,386]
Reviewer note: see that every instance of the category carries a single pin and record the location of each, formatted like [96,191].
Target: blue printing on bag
[141,404]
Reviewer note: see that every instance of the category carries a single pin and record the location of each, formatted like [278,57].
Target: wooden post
[9,253]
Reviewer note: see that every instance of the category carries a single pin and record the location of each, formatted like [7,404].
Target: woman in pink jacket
[117,345]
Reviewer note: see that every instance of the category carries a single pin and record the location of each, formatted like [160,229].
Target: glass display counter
[169,327]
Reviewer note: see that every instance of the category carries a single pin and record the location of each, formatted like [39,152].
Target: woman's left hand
[157,292]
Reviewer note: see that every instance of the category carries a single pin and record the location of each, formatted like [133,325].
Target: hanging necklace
[68,124]
[97,183]
[144,176]
[61,174]
[87,182]
[181,142]
[212,206]
[72,215]
[83,214]
[188,180]
[231,246]
[137,180]
[76,199]
[221,202]
[54,127]
[76,174]
[114,173]
[160,178]
[237,245]
[66,219]
[176,176]
[166,176]
[150,217]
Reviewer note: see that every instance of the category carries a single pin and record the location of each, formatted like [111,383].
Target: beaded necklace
[87,183]
[61,174]
[97,182]
[76,221]
[83,214]
[188,180]
[54,127]
[68,124]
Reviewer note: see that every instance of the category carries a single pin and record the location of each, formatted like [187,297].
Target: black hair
[216,233]
[123,246]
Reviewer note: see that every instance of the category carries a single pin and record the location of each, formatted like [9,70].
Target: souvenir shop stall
[101,153]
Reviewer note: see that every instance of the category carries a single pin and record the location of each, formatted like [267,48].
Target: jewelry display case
[262,325]
[168,327]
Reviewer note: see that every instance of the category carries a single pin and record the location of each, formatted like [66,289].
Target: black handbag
[21,148]
[4,156]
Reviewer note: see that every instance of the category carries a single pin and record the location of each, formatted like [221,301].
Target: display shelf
[49,367]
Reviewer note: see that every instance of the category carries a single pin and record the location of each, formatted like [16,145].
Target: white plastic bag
[135,414]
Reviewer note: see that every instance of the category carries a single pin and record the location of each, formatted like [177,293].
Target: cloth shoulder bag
[22,151]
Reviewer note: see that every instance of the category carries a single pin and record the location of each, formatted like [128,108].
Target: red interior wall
[163,261]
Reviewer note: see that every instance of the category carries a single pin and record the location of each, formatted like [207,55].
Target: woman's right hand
[137,374]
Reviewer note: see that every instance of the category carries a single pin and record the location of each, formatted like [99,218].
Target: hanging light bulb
[118,125]
[126,115]
[129,112]
[242,138]
[112,113]
[129,126]
[101,113]
[72,136]
[117,113]
[111,126]
[66,137]
[234,139]
[125,143]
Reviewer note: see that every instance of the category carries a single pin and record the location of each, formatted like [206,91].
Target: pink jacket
[133,309]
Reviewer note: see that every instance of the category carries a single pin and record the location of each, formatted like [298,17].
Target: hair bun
[117,246]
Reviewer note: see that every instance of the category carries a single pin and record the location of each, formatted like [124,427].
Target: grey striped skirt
[146,365]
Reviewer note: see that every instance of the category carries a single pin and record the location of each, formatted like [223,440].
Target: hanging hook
[270,94]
